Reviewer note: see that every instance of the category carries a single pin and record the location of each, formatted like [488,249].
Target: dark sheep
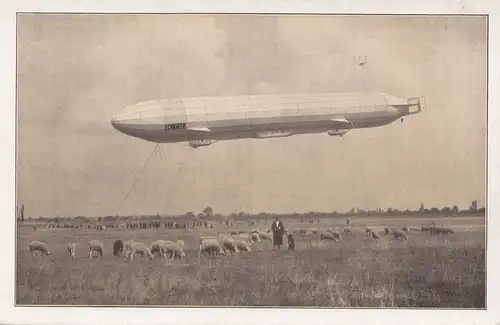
[118,248]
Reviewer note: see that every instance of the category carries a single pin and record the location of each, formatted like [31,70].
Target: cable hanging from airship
[138,176]
[174,182]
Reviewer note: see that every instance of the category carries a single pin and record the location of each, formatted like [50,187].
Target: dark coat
[278,232]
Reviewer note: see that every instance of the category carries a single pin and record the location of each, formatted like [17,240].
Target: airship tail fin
[415,105]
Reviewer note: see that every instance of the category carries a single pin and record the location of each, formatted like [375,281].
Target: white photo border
[205,315]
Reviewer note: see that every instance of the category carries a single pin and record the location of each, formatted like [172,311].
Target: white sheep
[347,231]
[38,247]
[96,245]
[245,237]
[441,230]
[127,247]
[243,246]
[210,245]
[399,234]
[138,248]
[255,237]
[265,235]
[155,247]
[327,236]
[229,244]
[208,237]
[336,234]
[175,249]
[72,250]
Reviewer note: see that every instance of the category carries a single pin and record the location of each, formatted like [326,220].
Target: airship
[202,121]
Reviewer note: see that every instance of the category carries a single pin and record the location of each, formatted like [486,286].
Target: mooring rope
[138,176]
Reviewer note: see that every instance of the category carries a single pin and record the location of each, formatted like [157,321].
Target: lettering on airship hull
[175,126]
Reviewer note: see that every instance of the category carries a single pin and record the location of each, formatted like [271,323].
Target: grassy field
[424,271]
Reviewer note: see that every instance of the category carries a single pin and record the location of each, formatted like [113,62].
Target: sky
[74,72]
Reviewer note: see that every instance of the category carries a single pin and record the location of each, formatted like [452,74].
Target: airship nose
[123,118]
[117,125]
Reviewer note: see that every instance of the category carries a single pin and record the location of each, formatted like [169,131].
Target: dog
[291,242]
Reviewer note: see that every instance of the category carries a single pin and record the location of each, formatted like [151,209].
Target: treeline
[208,214]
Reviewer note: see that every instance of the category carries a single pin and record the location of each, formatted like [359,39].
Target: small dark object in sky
[361,63]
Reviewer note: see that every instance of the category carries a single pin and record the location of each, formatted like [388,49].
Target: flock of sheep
[402,233]
[208,245]
[223,244]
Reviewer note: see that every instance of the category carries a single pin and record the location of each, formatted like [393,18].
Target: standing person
[348,221]
[278,230]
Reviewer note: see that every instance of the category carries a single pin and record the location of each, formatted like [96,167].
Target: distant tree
[208,211]
[389,212]
[434,210]
[81,219]
[446,211]
[110,218]
[454,210]
[422,208]
[99,219]
[473,206]
[190,215]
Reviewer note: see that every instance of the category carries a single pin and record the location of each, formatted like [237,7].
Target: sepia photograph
[251,160]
